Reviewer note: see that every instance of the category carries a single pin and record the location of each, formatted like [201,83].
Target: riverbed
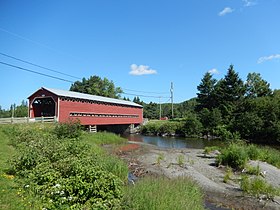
[200,168]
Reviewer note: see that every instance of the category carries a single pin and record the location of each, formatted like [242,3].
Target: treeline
[230,108]
[15,110]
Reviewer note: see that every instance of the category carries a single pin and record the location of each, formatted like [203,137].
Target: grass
[102,138]
[161,193]
[228,175]
[237,155]
[258,187]
[10,196]
[160,157]
[181,160]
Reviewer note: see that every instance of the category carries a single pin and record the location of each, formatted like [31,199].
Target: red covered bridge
[92,111]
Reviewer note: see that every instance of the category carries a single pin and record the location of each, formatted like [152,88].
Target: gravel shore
[201,168]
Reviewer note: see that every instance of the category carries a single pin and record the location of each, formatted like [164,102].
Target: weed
[181,160]
[258,187]
[228,175]
[160,157]
[253,170]
[208,150]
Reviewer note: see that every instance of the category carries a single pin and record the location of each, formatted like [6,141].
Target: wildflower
[57,186]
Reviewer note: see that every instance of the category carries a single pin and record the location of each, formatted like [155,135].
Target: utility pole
[159,108]
[171,92]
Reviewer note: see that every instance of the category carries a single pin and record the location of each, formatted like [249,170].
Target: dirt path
[194,164]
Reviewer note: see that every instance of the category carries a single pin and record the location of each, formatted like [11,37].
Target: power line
[145,91]
[37,43]
[35,72]
[42,67]
[144,95]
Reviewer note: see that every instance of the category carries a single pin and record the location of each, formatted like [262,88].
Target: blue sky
[141,45]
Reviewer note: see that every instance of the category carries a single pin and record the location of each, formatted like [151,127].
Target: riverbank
[172,163]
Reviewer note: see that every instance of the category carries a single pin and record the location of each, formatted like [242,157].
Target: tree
[137,100]
[231,87]
[210,119]
[96,86]
[228,93]
[151,111]
[205,95]
[256,86]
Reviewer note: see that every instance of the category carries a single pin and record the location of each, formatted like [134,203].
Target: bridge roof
[72,94]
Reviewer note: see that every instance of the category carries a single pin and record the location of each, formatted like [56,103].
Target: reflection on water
[173,142]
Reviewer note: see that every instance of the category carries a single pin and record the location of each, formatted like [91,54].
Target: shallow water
[173,142]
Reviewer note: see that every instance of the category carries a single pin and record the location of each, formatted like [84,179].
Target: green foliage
[15,110]
[224,134]
[258,187]
[97,86]
[234,156]
[253,170]
[162,193]
[65,173]
[256,86]
[208,150]
[205,97]
[228,175]
[192,127]
[151,111]
[181,160]
[70,129]
[160,157]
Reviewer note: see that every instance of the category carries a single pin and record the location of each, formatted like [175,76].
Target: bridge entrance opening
[44,107]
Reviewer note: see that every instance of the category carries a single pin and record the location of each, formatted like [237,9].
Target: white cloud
[213,71]
[268,58]
[249,3]
[141,70]
[225,11]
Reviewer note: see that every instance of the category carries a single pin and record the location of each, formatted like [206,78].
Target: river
[173,142]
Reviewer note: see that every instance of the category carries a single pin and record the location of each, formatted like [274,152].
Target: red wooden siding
[89,112]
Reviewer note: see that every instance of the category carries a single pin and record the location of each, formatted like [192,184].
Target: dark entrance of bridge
[44,107]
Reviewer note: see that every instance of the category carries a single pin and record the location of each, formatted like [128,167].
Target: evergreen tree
[256,86]
[205,94]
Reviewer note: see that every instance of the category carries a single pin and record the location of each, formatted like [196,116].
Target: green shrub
[234,156]
[192,127]
[151,128]
[225,135]
[70,129]
[68,174]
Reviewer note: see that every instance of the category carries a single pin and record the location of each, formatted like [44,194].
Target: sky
[141,45]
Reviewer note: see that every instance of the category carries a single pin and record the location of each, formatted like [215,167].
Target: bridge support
[131,128]
[92,129]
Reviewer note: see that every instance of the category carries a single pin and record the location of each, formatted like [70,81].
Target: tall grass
[161,193]
[236,155]
[102,138]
